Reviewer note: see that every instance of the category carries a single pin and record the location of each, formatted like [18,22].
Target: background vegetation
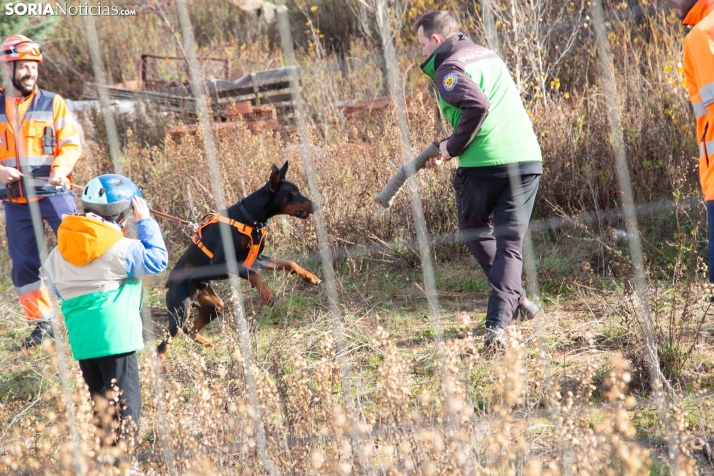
[571,395]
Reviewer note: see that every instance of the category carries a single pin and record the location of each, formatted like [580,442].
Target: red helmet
[21,48]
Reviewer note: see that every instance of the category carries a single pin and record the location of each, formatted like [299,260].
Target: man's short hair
[437,21]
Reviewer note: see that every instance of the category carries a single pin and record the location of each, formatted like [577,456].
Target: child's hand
[139,209]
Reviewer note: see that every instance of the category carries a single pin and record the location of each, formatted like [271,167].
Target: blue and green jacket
[481,102]
[96,272]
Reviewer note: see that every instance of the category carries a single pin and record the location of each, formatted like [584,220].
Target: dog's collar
[253,221]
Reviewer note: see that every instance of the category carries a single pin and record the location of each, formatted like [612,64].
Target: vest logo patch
[450,81]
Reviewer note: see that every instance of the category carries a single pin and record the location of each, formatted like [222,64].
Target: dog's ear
[283,170]
[274,181]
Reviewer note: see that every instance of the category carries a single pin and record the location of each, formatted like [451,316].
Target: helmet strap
[122,224]
[14,74]
[17,87]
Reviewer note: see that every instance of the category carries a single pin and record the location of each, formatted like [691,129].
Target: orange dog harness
[242,228]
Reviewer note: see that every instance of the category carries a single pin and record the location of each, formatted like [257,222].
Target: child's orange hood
[700,10]
[81,240]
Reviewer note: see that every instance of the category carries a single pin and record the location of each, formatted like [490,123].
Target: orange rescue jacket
[31,116]
[699,73]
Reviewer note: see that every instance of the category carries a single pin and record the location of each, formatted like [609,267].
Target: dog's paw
[311,278]
[161,365]
[202,340]
[267,299]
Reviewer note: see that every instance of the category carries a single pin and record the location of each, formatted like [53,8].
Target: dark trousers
[21,243]
[25,255]
[102,375]
[493,219]
[710,229]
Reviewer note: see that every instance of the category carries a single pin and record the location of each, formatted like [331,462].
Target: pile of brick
[240,114]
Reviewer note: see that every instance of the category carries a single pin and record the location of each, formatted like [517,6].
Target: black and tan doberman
[189,283]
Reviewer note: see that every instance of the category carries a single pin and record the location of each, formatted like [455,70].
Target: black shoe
[42,331]
[526,310]
[493,341]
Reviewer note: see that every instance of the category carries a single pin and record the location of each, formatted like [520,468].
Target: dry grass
[570,395]
[558,397]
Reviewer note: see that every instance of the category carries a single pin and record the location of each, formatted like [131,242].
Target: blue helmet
[109,196]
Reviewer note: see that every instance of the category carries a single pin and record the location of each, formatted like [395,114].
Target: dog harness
[255,235]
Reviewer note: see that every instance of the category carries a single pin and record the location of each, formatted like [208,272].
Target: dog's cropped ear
[274,181]
[283,170]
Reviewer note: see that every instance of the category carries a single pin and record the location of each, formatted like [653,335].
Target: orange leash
[159,214]
[209,219]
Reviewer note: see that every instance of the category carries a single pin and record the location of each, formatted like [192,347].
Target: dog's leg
[277,264]
[209,307]
[178,305]
[201,320]
[266,297]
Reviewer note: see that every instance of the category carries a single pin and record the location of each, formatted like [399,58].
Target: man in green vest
[500,161]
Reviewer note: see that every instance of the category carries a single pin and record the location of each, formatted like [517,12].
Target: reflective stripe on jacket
[699,73]
[36,112]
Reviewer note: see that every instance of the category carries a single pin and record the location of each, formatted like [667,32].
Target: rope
[157,213]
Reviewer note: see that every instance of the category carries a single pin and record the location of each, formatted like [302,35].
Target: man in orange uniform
[699,73]
[39,145]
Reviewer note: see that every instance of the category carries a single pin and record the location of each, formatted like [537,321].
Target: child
[96,272]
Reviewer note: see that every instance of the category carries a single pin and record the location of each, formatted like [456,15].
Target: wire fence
[359,456]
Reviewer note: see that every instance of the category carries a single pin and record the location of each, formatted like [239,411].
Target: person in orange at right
[699,74]
[39,145]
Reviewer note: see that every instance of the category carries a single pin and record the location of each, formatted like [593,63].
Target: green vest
[506,135]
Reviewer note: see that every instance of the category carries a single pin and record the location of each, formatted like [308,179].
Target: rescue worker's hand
[139,209]
[9,175]
[437,161]
[57,177]
[433,162]
[444,153]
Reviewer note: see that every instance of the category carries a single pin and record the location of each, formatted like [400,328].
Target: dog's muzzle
[306,213]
